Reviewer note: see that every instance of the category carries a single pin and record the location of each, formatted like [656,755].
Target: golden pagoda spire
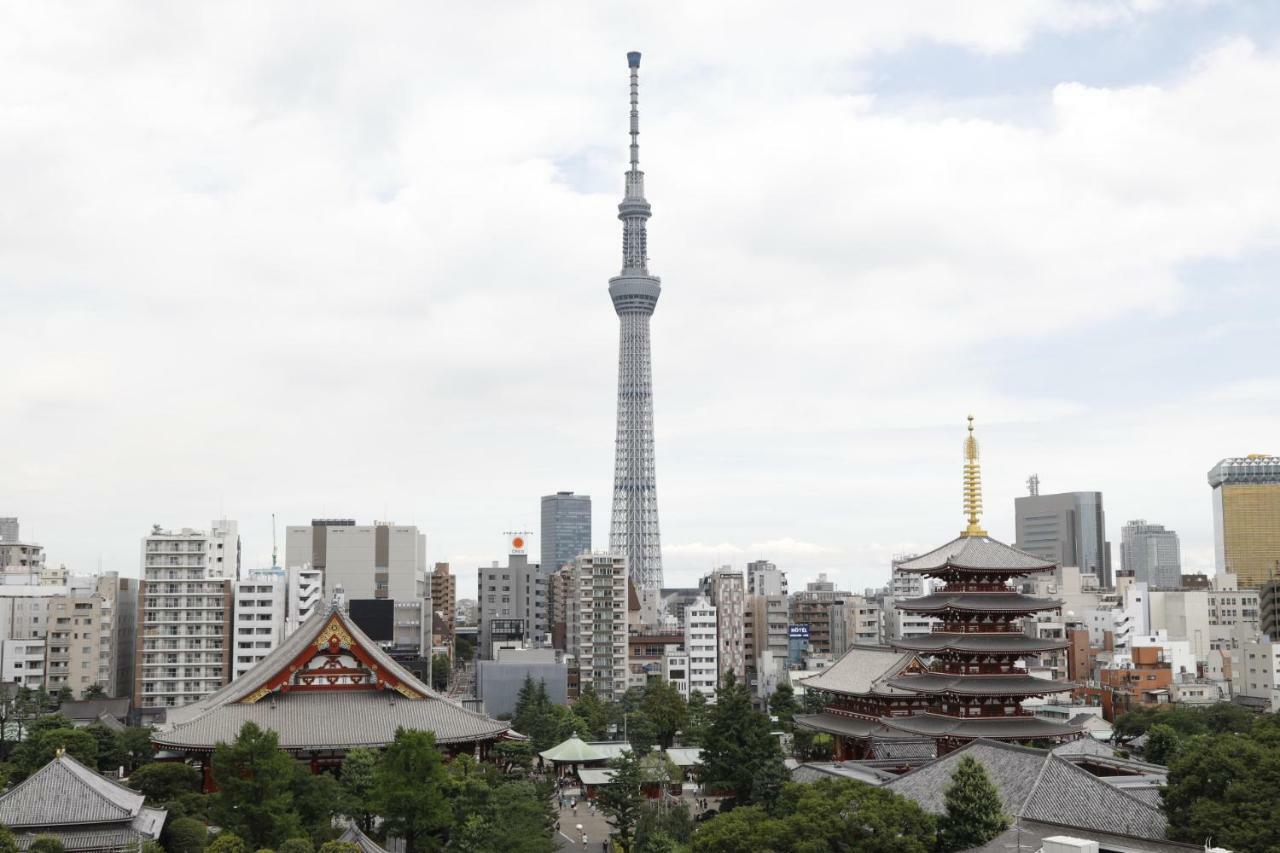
[972,485]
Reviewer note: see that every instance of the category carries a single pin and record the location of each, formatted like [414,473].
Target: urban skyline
[764,454]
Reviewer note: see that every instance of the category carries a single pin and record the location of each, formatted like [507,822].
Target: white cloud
[312,263]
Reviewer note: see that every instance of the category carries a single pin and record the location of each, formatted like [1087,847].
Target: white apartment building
[597,624]
[864,621]
[1255,670]
[700,625]
[304,597]
[900,625]
[765,578]
[22,662]
[185,615]
[259,622]
[675,669]
[727,590]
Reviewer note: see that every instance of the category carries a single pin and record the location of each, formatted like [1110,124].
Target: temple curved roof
[976,554]
[1018,728]
[862,669]
[1015,684]
[993,643]
[977,602]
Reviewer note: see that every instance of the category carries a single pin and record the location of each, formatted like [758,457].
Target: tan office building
[1246,517]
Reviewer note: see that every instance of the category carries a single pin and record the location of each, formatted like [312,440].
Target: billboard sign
[799,632]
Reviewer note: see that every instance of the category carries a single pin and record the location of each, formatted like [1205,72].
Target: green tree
[153,847]
[621,800]
[671,822]
[185,835]
[464,649]
[409,790]
[743,830]
[516,818]
[317,797]
[8,844]
[698,719]
[95,691]
[339,847]
[640,731]
[808,745]
[165,780]
[594,712]
[111,754]
[137,746]
[813,702]
[975,814]
[296,845]
[666,708]
[227,842]
[47,843]
[255,788]
[356,783]
[1226,787]
[739,745]
[782,704]
[63,696]
[516,755]
[1162,742]
[440,668]
[42,745]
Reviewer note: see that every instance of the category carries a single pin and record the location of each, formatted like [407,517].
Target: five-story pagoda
[974,679]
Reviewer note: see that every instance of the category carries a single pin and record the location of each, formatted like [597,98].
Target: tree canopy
[975,814]
[738,746]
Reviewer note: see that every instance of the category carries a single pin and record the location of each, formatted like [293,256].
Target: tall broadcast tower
[634,529]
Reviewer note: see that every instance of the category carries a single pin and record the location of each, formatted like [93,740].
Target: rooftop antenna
[972,485]
[1033,485]
[274,551]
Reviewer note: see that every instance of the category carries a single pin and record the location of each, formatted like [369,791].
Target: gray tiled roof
[838,724]
[1014,644]
[1085,746]
[862,669]
[1036,785]
[1017,684]
[91,710]
[64,791]
[338,719]
[977,602]
[1020,728]
[353,835]
[976,553]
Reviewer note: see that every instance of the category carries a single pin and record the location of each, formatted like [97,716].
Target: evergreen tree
[440,672]
[975,814]
[409,790]
[47,843]
[594,712]
[666,709]
[356,785]
[8,844]
[738,745]
[1162,742]
[185,835]
[255,788]
[95,691]
[227,842]
[622,799]
[165,781]
[697,720]
[782,704]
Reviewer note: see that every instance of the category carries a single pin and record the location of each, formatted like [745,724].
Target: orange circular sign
[518,542]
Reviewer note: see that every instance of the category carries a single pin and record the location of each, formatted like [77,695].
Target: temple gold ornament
[972,485]
[407,692]
[256,695]
[333,629]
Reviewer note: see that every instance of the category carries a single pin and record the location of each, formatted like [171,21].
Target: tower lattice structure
[633,531]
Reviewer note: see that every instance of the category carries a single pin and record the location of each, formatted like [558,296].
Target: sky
[317,260]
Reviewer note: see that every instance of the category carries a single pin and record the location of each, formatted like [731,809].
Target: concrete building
[512,602]
[1246,518]
[648,651]
[1255,670]
[84,639]
[9,530]
[22,662]
[597,623]
[764,578]
[566,529]
[900,624]
[864,621]
[633,528]
[259,618]
[184,642]
[701,621]
[765,636]
[305,595]
[726,589]
[23,556]
[498,681]
[1069,529]
[1151,553]
[444,598]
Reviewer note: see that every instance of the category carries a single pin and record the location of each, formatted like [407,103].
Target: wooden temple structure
[326,689]
[963,681]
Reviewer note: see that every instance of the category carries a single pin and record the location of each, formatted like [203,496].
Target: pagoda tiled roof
[1013,684]
[1010,728]
[976,554]
[1036,785]
[319,718]
[977,602]
[861,670]
[1018,644]
[64,791]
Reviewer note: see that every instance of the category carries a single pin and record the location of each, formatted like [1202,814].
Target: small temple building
[961,682]
[326,689]
[85,811]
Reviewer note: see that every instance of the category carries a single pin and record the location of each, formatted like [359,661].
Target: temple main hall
[965,680]
[326,689]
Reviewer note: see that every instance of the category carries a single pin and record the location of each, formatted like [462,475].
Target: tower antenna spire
[274,551]
[972,485]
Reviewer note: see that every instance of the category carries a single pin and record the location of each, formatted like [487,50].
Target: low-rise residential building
[1255,670]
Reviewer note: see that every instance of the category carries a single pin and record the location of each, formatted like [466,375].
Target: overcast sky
[305,259]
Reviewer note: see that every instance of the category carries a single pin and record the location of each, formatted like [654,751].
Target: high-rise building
[765,578]
[1151,553]
[633,530]
[81,624]
[566,529]
[9,529]
[597,624]
[765,635]
[444,597]
[259,618]
[1069,529]
[726,589]
[372,562]
[700,642]
[512,601]
[1246,517]
[184,642]
[305,596]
